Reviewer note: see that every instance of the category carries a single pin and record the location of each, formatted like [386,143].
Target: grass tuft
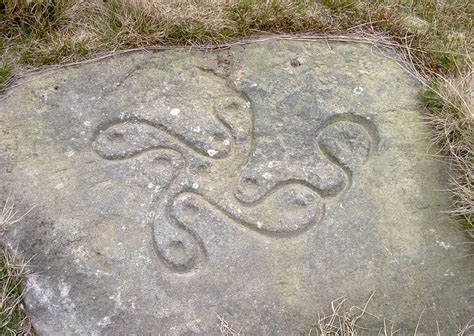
[55,31]
[13,317]
[343,321]
[449,102]
[5,74]
[436,35]
[226,329]
[348,322]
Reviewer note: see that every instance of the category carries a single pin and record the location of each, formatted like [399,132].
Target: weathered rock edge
[258,183]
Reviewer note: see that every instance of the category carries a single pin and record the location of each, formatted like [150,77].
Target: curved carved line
[145,152]
[345,117]
[355,119]
[373,140]
[289,182]
[225,123]
[160,127]
[200,258]
[253,227]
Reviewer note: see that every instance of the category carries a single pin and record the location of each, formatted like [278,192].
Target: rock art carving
[271,178]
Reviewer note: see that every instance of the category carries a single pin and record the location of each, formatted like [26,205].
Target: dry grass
[436,35]
[226,329]
[341,321]
[13,317]
[347,322]
[39,32]
[449,102]
[467,329]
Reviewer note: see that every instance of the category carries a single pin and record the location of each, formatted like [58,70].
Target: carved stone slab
[257,183]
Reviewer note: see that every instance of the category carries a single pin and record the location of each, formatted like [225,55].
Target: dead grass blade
[226,329]
[344,323]
[13,317]
[8,216]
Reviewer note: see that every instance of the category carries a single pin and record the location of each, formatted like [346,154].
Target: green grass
[5,73]
[437,35]
[52,31]
[13,318]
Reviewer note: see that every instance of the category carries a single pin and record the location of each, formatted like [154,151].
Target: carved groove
[176,236]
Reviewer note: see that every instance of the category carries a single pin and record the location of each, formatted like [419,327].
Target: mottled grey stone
[257,183]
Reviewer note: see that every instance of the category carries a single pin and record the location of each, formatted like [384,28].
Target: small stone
[415,24]
[175,111]
[295,62]
[267,176]
[69,152]
[358,90]
[212,152]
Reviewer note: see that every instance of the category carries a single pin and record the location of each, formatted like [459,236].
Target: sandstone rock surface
[257,183]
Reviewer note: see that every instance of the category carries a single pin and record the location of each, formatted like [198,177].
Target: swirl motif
[277,194]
